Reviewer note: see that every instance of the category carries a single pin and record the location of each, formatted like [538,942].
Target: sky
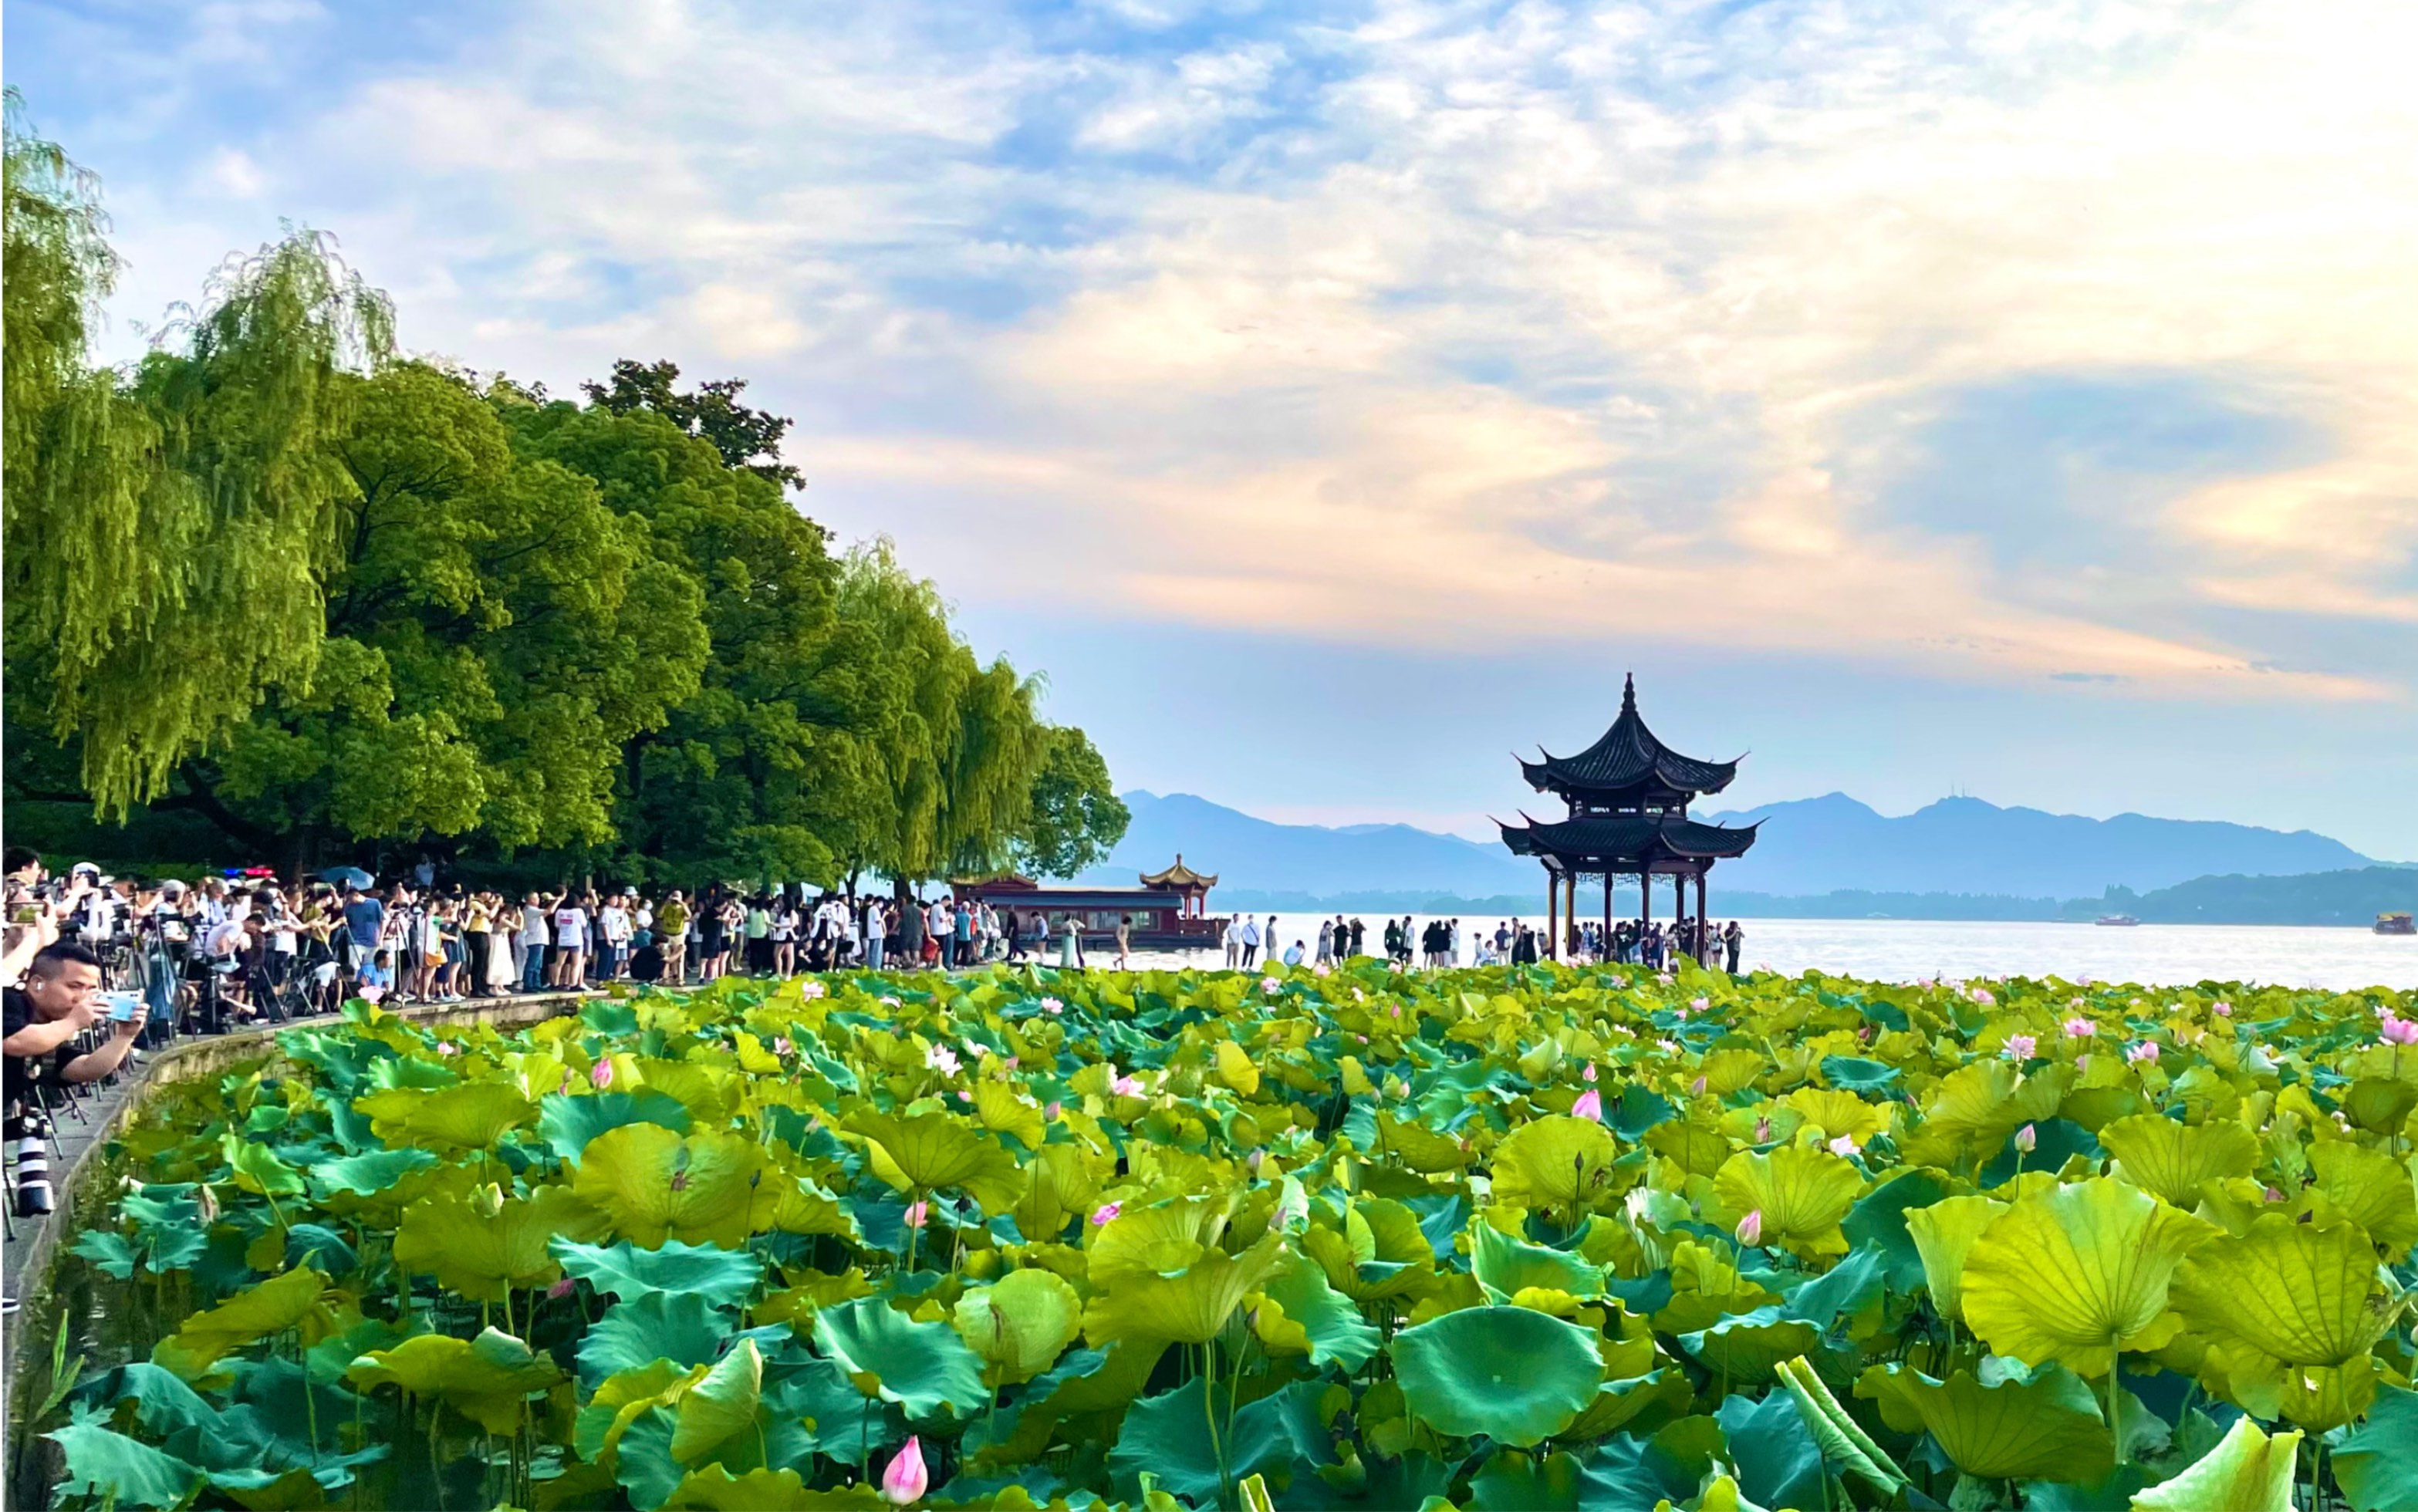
[2014,399]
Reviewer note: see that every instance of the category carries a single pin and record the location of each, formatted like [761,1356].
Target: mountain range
[1806,847]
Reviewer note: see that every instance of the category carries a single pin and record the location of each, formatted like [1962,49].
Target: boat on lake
[2118,921]
[2395,924]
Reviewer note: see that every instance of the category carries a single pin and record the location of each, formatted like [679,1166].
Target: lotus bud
[209,1202]
[2274,1193]
[1255,1160]
[1107,1214]
[1588,1074]
[1697,1086]
[1590,1104]
[562,1289]
[1762,1130]
[488,1201]
[1749,1228]
[601,1073]
[905,1479]
[2027,1140]
[2145,1053]
[918,1214]
[1055,1111]
[1397,1088]
[2082,1063]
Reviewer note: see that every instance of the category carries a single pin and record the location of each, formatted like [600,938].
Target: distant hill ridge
[1809,847]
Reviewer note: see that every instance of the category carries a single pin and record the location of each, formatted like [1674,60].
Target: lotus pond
[1540,1239]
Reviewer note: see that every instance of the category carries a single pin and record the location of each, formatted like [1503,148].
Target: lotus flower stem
[310,1404]
[2116,1405]
[1209,1413]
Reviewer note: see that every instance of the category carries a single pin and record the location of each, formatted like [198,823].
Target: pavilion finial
[1629,693]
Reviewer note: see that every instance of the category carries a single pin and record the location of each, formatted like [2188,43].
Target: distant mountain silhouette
[1809,847]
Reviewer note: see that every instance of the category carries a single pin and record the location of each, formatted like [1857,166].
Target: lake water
[1905,950]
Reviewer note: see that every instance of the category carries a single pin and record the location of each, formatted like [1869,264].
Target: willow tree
[166,529]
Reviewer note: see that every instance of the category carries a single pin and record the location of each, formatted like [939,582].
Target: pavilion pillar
[1607,909]
[1679,899]
[1571,915]
[1645,899]
[1553,915]
[1704,946]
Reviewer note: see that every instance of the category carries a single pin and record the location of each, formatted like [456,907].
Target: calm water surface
[1905,950]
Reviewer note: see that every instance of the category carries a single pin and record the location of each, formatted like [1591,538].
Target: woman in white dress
[501,917]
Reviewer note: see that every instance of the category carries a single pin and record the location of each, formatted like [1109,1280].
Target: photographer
[44,1021]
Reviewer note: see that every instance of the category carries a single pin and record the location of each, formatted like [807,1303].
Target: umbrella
[346,876]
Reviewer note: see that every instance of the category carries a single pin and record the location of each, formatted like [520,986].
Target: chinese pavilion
[1628,797]
[1170,910]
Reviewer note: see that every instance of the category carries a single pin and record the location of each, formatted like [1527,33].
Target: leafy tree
[166,530]
[749,438]
[1077,817]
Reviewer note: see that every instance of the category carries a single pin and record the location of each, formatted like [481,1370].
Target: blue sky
[2017,397]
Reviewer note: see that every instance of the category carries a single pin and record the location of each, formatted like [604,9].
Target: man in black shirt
[60,1000]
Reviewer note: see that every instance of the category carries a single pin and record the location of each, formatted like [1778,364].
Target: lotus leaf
[925,1367]
[567,1121]
[2046,1427]
[1002,1111]
[683,1329]
[292,1300]
[2368,1187]
[484,1255]
[2281,1299]
[1557,1162]
[655,1186]
[2248,1471]
[471,1117]
[2374,1462]
[1511,1373]
[724,1278]
[2174,1160]
[487,1380]
[2077,1273]
[722,1404]
[1801,1193]
[1059,1188]
[1019,1325]
[122,1470]
[930,1152]
[1188,1306]
[1300,1313]
[1944,1234]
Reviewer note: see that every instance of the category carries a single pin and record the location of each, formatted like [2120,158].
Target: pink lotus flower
[2081,1028]
[601,1074]
[1843,1145]
[918,1214]
[1664,977]
[1107,1214]
[781,1044]
[1588,1074]
[1055,1111]
[2021,1047]
[2220,1009]
[2399,1031]
[1700,1004]
[1749,1228]
[2274,1193]
[562,1289]
[905,1479]
[1322,970]
[964,1096]
[2145,1053]
[1983,996]
[811,989]
[1762,1130]
[1590,1104]
[1126,1087]
[1051,1005]
[448,1047]
[942,1059]
[1270,984]
[2027,1140]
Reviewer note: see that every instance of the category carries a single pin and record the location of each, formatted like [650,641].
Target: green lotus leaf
[1059,1188]
[1557,1162]
[1802,1194]
[1839,1435]
[1167,1437]
[121,1471]
[656,1185]
[2173,1160]
[933,1152]
[487,1380]
[1752,1346]
[1640,1404]
[712,1487]
[1418,1146]
[568,1122]
[1300,1313]
[1777,1460]
[1020,1326]
[1506,1266]
[682,1328]
[2077,1273]
[1002,1111]
[366,1174]
[924,1368]
[1944,1234]
[484,1256]
[2281,1297]
[2047,1428]
[725,1277]
[257,1167]
[1511,1373]
[471,1117]
[1849,1073]
[719,1405]
[283,1302]
[2368,1187]
[2247,1471]
[1153,1240]
[1379,1253]
[1189,1307]
[620,1401]
[1692,1147]
[2378,1104]
[2373,1462]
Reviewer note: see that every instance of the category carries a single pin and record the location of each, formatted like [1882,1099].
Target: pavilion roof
[1628,756]
[1633,838]
[1178,876]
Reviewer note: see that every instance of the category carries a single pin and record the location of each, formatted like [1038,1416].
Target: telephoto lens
[33,1167]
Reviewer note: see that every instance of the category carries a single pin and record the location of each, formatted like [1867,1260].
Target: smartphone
[122,1006]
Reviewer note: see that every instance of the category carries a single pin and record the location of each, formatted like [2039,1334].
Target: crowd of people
[1442,943]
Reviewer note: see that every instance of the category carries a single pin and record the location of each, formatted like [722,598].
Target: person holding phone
[43,1021]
